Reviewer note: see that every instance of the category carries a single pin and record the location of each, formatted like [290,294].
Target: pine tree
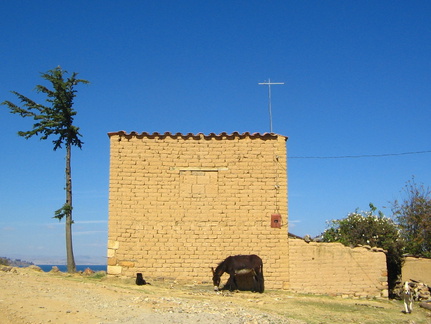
[56,119]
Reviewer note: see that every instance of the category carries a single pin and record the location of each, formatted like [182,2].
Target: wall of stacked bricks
[418,269]
[180,204]
[334,269]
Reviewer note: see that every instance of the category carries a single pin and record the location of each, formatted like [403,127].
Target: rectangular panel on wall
[198,184]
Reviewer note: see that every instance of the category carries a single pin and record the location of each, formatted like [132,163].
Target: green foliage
[63,211]
[364,228]
[56,119]
[413,214]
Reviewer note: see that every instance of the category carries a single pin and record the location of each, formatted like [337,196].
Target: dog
[407,295]
[140,280]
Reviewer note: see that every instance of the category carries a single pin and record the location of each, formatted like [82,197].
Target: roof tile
[195,136]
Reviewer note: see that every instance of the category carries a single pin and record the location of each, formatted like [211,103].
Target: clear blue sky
[357,82]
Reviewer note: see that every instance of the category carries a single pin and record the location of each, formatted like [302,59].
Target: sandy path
[39,298]
[29,296]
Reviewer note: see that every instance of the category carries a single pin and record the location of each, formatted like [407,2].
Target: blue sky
[357,80]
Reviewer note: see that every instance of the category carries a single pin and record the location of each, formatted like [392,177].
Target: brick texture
[334,269]
[417,269]
[180,204]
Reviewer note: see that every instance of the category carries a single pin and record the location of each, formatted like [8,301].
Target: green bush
[413,214]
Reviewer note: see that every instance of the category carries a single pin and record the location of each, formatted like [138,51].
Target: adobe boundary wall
[417,269]
[334,269]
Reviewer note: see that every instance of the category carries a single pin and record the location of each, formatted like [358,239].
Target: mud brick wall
[334,269]
[417,269]
[179,204]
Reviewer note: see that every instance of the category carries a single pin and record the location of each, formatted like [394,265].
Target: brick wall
[417,269]
[179,204]
[332,268]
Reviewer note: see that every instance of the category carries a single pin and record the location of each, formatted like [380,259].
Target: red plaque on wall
[276,221]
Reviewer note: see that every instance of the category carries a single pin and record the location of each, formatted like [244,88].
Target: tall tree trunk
[71,267]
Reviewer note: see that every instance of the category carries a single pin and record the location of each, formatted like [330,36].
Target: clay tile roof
[196,136]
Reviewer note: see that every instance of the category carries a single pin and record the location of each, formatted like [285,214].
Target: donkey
[240,265]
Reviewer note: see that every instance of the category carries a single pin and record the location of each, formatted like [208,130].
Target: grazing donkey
[240,265]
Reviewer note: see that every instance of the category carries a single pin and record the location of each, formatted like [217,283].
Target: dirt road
[30,296]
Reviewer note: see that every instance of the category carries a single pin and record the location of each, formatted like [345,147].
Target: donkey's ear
[212,269]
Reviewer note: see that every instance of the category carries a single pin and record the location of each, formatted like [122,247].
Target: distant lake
[63,268]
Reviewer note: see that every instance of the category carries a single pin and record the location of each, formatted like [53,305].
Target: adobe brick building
[181,203]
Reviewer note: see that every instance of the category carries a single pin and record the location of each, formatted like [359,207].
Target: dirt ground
[31,296]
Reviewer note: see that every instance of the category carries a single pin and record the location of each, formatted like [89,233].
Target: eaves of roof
[223,135]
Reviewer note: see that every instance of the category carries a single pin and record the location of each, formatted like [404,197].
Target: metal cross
[269,84]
